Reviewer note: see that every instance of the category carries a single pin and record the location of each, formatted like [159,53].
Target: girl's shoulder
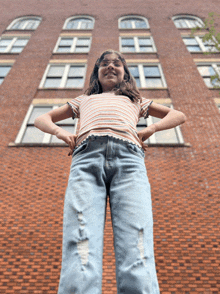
[145,101]
[79,98]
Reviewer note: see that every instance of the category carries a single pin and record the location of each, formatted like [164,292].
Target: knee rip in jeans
[83,244]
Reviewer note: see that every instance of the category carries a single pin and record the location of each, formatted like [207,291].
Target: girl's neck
[108,92]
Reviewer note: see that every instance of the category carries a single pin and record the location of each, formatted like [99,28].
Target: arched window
[187,22]
[25,23]
[133,22]
[79,23]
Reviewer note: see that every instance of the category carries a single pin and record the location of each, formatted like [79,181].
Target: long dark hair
[127,87]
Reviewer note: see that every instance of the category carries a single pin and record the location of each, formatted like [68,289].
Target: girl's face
[110,72]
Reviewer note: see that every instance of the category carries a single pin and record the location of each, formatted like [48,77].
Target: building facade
[47,52]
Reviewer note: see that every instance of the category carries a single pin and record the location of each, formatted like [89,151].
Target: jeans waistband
[116,140]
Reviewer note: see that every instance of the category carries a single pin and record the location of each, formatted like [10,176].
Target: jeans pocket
[81,149]
[135,150]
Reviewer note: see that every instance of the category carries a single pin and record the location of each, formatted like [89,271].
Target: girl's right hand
[67,137]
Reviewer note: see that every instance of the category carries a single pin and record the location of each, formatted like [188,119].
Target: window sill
[21,30]
[67,53]
[72,89]
[76,30]
[10,53]
[12,144]
[203,52]
[128,52]
[169,145]
[134,29]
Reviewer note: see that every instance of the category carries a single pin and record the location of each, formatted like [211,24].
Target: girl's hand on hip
[146,133]
[67,137]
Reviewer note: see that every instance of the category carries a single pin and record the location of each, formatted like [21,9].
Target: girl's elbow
[183,117]
[38,120]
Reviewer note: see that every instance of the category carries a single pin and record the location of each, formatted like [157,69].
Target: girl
[108,159]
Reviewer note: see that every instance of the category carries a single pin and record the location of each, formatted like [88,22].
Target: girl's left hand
[146,133]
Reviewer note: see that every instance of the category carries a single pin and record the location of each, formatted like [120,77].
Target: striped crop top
[107,114]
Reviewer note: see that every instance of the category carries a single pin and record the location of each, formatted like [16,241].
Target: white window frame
[47,137]
[191,17]
[217,103]
[65,75]
[133,22]
[37,18]
[14,39]
[73,47]
[152,139]
[142,76]
[6,63]
[200,43]
[80,23]
[136,44]
[215,66]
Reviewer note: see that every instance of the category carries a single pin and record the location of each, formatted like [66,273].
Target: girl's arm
[46,123]
[170,118]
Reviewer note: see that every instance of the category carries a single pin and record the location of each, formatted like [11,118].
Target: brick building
[47,52]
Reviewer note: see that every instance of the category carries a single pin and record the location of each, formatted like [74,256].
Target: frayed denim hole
[141,245]
[83,244]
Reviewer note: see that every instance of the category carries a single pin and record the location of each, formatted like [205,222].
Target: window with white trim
[25,23]
[73,45]
[12,44]
[207,70]
[29,134]
[79,23]
[148,75]
[64,76]
[196,44]
[4,70]
[137,44]
[133,22]
[171,136]
[187,22]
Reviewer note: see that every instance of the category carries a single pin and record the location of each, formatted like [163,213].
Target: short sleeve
[75,106]
[145,107]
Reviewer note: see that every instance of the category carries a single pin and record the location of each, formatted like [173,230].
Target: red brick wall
[184,180]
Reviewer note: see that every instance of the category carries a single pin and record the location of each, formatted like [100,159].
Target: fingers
[71,142]
[144,146]
[70,152]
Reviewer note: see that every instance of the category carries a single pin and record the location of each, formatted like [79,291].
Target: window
[4,70]
[64,76]
[207,70]
[28,134]
[73,45]
[79,23]
[133,22]
[11,44]
[148,75]
[170,137]
[137,44]
[196,44]
[25,23]
[187,22]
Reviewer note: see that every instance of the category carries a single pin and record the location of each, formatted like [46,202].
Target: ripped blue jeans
[102,166]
